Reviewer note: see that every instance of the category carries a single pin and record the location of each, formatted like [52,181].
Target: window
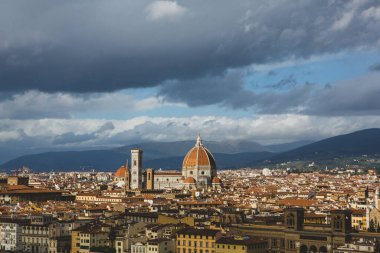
[338,222]
[291,244]
[290,220]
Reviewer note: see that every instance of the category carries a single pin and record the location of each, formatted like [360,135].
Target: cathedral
[198,172]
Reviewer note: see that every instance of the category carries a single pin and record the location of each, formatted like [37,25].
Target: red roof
[190,180]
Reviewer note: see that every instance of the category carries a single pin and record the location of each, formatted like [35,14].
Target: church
[199,171]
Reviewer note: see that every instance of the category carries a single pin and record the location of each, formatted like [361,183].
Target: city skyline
[188,126]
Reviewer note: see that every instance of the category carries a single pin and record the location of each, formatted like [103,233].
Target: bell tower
[136,171]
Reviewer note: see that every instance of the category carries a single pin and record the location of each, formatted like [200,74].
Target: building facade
[198,172]
[191,240]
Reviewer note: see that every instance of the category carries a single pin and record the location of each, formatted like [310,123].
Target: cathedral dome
[199,157]
[121,172]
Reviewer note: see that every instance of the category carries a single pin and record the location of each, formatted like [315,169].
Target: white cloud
[92,132]
[343,22]
[36,104]
[164,10]
[371,13]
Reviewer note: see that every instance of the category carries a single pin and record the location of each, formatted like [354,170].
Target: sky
[93,74]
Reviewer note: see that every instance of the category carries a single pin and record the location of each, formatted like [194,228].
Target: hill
[364,142]
[156,154]
[228,154]
[156,150]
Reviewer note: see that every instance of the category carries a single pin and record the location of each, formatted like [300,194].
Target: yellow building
[89,237]
[164,219]
[358,219]
[241,245]
[75,241]
[191,240]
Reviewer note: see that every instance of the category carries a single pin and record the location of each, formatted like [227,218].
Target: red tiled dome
[121,172]
[198,156]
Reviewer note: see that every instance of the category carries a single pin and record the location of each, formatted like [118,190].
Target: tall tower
[136,175]
[127,177]
[149,179]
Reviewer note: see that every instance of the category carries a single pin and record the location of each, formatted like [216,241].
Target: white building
[267,172]
[10,235]
[357,247]
[138,247]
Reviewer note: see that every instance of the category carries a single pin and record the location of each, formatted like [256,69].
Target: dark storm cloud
[232,93]
[349,97]
[358,96]
[92,46]
[375,67]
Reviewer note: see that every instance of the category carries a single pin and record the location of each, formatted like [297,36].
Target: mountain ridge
[169,155]
[160,152]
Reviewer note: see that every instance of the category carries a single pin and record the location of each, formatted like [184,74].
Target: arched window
[303,249]
[313,249]
[290,220]
[338,222]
